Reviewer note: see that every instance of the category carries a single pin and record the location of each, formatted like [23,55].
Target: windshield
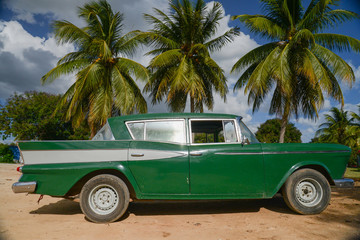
[104,134]
[246,135]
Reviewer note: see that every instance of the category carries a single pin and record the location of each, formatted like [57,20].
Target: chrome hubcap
[103,199]
[309,192]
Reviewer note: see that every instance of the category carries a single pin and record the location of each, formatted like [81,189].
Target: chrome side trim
[284,152]
[344,183]
[305,152]
[239,153]
[24,187]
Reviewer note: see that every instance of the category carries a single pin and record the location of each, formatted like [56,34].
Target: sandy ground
[21,217]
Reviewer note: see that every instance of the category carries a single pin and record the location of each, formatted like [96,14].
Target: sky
[28,50]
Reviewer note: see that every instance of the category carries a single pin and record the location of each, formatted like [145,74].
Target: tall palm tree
[182,65]
[337,127]
[104,83]
[298,65]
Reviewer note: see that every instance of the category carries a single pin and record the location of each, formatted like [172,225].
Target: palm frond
[221,41]
[66,32]
[336,64]
[262,25]
[254,56]
[337,42]
[64,69]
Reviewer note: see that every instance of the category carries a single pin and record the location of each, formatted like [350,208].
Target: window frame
[157,120]
[222,122]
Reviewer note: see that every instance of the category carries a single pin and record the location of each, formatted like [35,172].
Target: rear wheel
[307,192]
[104,198]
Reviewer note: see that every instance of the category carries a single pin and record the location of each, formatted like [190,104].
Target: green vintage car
[180,156]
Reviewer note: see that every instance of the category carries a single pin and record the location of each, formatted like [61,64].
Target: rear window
[104,133]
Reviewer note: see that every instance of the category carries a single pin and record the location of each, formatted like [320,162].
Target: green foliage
[298,64]
[269,132]
[353,173]
[6,155]
[182,65]
[29,116]
[104,83]
[341,127]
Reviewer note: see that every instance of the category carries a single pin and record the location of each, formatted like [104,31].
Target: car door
[220,164]
[158,158]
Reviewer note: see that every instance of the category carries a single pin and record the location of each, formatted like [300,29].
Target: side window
[213,131]
[162,131]
[165,131]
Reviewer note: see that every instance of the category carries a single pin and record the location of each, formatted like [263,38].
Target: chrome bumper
[24,187]
[344,183]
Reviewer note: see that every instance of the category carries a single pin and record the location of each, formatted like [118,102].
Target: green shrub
[6,155]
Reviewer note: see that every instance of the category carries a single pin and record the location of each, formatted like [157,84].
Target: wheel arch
[310,165]
[320,169]
[76,188]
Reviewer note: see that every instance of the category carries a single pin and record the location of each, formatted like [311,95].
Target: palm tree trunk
[192,104]
[284,122]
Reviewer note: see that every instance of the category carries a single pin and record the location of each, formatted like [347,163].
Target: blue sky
[28,50]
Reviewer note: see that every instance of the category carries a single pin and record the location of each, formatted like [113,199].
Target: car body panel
[159,171]
[281,160]
[227,169]
[165,170]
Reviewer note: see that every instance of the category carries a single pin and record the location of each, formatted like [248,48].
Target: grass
[352,173]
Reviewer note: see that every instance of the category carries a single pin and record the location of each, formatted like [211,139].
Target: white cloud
[67,10]
[26,58]
[16,39]
[356,70]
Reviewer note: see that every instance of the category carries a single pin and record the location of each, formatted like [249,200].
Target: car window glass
[165,131]
[212,131]
[137,130]
[246,135]
[230,132]
[104,133]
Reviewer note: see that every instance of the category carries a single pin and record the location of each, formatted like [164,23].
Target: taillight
[19,169]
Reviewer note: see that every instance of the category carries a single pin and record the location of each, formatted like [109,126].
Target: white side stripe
[74,156]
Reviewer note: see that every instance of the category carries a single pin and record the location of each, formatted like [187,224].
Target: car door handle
[137,154]
[196,154]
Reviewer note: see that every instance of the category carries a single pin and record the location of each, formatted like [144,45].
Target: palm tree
[104,84]
[182,65]
[337,127]
[298,65]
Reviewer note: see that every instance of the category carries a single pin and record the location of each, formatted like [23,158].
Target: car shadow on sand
[61,207]
[168,207]
[157,207]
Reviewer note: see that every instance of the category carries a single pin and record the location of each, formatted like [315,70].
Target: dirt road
[54,218]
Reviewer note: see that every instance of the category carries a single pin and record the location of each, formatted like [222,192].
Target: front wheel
[104,198]
[307,192]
